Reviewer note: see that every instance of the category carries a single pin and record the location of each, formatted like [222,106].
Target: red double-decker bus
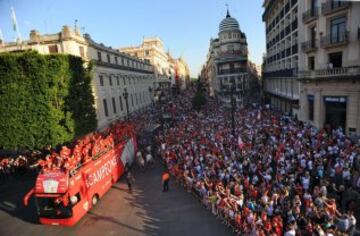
[63,197]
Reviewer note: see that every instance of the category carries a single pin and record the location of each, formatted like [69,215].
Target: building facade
[227,62]
[169,71]
[182,73]
[329,64]
[114,72]
[280,65]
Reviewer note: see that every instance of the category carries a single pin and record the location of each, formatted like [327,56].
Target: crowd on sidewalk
[276,176]
[19,164]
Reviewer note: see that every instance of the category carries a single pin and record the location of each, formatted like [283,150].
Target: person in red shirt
[165,177]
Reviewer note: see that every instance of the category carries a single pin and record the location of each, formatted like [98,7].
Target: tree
[199,99]
[44,99]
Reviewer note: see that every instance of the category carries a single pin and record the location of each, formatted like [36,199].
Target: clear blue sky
[185,26]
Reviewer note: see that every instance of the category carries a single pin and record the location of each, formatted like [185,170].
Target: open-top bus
[63,197]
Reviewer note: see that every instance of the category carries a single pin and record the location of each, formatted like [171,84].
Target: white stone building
[169,72]
[227,62]
[329,64]
[114,72]
[279,80]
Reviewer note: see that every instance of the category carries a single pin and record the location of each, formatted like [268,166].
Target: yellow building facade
[167,69]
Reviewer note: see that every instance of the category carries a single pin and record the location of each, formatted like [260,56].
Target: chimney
[34,36]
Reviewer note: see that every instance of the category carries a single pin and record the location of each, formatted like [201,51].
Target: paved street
[147,211]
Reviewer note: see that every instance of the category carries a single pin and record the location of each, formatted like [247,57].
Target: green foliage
[44,99]
[199,98]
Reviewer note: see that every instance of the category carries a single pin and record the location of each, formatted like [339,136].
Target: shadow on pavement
[170,213]
[12,192]
[97,217]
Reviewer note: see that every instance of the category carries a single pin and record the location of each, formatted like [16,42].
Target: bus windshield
[49,207]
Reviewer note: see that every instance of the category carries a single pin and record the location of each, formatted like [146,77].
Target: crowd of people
[88,148]
[17,164]
[275,176]
[68,157]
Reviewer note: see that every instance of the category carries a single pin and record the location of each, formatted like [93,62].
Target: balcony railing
[281,73]
[331,6]
[310,15]
[285,94]
[231,53]
[333,40]
[231,71]
[331,73]
[309,46]
[229,87]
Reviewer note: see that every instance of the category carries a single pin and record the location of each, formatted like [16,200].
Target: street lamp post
[151,96]
[126,96]
[152,107]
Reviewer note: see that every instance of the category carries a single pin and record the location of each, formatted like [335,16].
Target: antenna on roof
[15,26]
[76,28]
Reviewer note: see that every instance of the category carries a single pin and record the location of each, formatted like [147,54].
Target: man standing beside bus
[129,180]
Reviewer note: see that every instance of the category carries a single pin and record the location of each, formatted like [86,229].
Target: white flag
[259,115]
[15,26]
[240,143]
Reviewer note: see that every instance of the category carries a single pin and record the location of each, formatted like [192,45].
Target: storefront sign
[335,99]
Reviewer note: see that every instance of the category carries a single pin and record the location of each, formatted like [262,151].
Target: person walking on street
[149,160]
[129,180]
[140,160]
[165,181]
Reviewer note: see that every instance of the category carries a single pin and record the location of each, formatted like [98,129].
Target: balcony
[333,73]
[310,15]
[309,46]
[231,53]
[334,40]
[331,6]
[281,73]
[122,67]
[228,87]
[232,71]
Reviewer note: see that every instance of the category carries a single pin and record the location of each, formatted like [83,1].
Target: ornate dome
[228,24]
